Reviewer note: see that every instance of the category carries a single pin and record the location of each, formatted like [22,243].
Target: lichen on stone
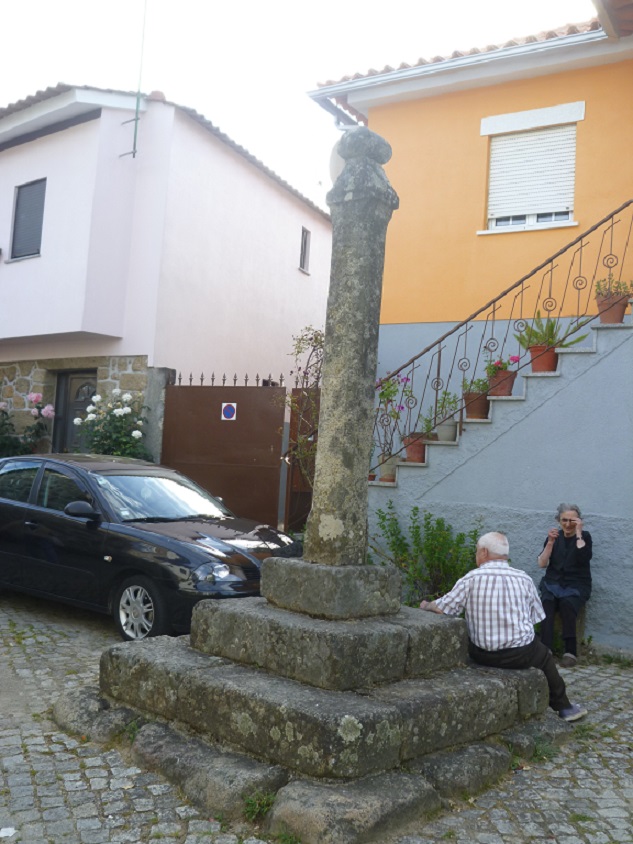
[350,728]
[330,527]
[244,723]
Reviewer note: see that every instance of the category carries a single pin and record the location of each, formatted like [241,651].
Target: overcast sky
[246,65]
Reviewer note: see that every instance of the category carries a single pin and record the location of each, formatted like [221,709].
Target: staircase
[561,437]
[513,435]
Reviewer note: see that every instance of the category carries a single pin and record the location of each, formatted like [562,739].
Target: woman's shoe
[568,661]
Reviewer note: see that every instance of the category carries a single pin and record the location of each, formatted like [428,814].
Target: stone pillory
[362,202]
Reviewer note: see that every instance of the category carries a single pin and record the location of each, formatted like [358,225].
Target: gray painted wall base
[564,437]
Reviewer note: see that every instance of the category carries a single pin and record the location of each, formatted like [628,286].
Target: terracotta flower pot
[476,405]
[502,382]
[612,308]
[544,358]
[415,446]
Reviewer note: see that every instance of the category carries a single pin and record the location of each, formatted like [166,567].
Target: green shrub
[27,442]
[430,554]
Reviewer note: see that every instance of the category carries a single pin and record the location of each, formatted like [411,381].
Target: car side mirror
[82,510]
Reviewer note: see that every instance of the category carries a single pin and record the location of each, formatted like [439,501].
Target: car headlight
[209,572]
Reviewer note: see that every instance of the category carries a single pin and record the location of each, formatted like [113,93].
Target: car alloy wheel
[139,609]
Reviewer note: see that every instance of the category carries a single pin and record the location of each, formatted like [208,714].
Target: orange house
[500,158]
[514,168]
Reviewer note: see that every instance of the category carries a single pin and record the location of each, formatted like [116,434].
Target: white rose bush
[114,426]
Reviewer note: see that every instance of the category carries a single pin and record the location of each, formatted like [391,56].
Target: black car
[125,537]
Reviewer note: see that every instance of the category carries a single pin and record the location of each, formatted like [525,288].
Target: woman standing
[566,586]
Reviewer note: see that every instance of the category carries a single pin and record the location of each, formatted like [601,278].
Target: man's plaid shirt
[502,605]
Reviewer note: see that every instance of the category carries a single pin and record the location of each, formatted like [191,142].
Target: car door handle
[31,524]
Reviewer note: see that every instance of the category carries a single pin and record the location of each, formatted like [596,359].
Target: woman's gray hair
[496,543]
[562,508]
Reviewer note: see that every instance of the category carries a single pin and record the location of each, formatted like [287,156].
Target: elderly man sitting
[502,606]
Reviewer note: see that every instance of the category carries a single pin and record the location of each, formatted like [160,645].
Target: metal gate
[229,440]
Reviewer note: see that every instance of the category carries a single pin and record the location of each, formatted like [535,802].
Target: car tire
[139,609]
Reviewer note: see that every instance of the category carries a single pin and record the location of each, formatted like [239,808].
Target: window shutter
[532,172]
[29,216]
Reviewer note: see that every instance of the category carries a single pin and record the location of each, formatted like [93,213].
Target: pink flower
[498,363]
[35,398]
[514,358]
[35,412]
[48,412]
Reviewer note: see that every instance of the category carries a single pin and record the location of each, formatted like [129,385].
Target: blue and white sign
[229,411]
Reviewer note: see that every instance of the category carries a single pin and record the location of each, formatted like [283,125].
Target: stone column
[362,202]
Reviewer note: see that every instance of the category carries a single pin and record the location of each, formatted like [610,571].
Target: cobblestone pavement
[55,789]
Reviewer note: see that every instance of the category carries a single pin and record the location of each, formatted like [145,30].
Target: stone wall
[130,374]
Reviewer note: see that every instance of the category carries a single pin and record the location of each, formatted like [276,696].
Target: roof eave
[475,70]
[67,103]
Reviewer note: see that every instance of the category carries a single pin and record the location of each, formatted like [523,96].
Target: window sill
[535,228]
[22,258]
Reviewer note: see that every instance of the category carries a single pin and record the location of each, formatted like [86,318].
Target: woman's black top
[569,565]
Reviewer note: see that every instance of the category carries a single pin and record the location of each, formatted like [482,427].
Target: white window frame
[522,201]
[304,253]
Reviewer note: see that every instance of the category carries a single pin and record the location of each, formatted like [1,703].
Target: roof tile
[548,35]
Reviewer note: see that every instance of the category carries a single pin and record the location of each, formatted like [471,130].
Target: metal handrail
[424,389]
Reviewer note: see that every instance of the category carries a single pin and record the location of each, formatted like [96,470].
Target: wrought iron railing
[557,297]
[223,381]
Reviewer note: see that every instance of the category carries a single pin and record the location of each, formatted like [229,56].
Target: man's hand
[430,606]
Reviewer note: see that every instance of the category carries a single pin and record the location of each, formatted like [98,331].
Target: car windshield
[136,497]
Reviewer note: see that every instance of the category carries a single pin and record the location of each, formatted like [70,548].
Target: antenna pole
[138,89]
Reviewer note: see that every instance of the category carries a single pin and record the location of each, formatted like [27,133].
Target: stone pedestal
[312,731]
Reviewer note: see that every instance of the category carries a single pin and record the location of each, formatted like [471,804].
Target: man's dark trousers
[534,655]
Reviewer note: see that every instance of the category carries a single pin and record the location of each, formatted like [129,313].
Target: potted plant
[612,299]
[392,392]
[542,338]
[475,394]
[415,441]
[500,376]
[447,407]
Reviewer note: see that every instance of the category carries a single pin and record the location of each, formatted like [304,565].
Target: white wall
[46,293]
[232,245]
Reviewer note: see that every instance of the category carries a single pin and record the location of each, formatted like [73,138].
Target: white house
[137,238]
